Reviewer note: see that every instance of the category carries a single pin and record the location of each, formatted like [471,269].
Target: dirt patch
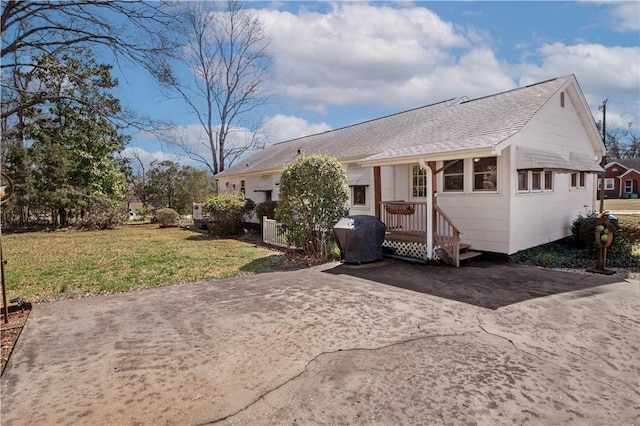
[10,331]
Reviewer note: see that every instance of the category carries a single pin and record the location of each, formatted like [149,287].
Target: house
[501,173]
[622,178]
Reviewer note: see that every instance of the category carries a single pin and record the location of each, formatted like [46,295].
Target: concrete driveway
[388,343]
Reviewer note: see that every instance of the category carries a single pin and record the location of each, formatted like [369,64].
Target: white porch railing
[447,236]
[273,234]
[404,217]
[407,221]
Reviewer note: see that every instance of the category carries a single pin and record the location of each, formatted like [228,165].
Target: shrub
[583,230]
[313,197]
[167,217]
[143,212]
[227,212]
[103,212]
[266,208]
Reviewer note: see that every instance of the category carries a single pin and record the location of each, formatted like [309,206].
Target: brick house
[622,178]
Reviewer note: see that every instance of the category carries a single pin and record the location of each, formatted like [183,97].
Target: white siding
[481,217]
[538,218]
[369,208]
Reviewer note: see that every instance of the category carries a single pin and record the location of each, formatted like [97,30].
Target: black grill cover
[359,238]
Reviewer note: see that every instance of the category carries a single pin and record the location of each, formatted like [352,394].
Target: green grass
[628,204]
[63,264]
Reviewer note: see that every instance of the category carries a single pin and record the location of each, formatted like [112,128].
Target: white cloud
[367,54]
[625,16]
[279,128]
[604,72]
[138,154]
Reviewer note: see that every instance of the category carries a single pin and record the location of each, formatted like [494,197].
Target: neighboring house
[501,173]
[622,178]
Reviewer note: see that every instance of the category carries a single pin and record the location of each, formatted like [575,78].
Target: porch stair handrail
[446,235]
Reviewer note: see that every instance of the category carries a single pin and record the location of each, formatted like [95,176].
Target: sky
[341,63]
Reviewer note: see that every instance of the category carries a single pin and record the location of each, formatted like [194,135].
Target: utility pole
[603,107]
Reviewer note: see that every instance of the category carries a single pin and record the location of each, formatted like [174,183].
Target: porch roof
[446,127]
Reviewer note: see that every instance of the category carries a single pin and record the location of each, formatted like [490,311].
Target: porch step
[469,255]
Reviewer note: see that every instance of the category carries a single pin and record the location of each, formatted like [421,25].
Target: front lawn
[66,263]
[622,205]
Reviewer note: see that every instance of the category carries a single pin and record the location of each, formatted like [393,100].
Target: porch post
[430,200]
[430,178]
[377,190]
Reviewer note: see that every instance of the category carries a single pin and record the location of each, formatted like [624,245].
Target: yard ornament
[605,230]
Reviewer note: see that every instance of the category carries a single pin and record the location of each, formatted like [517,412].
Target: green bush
[103,212]
[583,230]
[167,217]
[313,197]
[143,212]
[227,211]
[266,208]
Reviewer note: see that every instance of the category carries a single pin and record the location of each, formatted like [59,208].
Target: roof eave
[438,156]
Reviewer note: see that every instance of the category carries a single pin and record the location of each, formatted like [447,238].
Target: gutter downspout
[424,166]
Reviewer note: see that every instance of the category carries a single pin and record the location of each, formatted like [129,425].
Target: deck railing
[410,218]
[446,236]
[404,217]
[273,234]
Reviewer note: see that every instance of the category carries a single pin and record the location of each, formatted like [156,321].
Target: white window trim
[529,189]
[609,184]
[473,177]
[629,189]
[364,206]
[540,181]
[578,187]
[544,181]
[608,181]
[427,186]
[464,178]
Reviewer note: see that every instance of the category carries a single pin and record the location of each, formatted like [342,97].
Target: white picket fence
[272,233]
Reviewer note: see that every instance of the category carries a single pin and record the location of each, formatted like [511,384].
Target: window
[485,177]
[242,186]
[523,181]
[578,180]
[268,195]
[419,181]
[359,195]
[548,181]
[454,176]
[536,178]
[562,99]
[628,186]
[608,184]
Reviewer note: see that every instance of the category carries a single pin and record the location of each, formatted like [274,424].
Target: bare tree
[39,29]
[226,52]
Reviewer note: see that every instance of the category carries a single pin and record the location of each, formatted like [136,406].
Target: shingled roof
[451,125]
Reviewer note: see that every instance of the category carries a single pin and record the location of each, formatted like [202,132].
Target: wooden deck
[406,222]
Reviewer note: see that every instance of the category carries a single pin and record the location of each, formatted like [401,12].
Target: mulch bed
[10,331]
